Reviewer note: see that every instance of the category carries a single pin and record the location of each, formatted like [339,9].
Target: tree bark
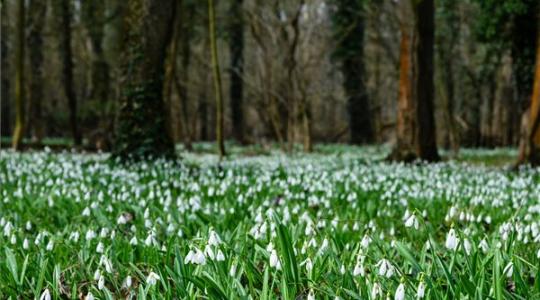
[142,132]
[217,79]
[37,11]
[66,57]
[236,45]
[19,78]
[350,29]
[415,123]
[532,152]
[5,113]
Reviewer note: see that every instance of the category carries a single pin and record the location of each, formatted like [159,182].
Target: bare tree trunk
[350,27]
[66,57]
[237,70]
[415,124]
[37,11]
[5,109]
[19,78]
[217,79]
[142,131]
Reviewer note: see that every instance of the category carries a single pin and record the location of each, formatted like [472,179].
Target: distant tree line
[137,77]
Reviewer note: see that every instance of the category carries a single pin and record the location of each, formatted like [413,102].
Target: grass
[334,224]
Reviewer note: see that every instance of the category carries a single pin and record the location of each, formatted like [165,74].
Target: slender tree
[217,78]
[36,22]
[63,8]
[236,43]
[19,78]
[415,124]
[142,131]
[5,111]
[349,33]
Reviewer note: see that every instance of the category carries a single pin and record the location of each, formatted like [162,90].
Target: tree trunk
[217,79]
[37,11]
[350,28]
[5,111]
[142,132]
[415,125]
[66,58]
[19,78]
[94,20]
[237,70]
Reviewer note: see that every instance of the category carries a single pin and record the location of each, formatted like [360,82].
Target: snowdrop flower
[100,248]
[376,290]
[46,295]
[209,252]
[101,283]
[152,278]
[133,241]
[366,240]
[400,292]
[412,221]
[213,239]
[86,212]
[385,268]
[467,246]
[509,270]
[342,270]
[220,256]
[421,290]
[127,282]
[90,234]
[26,244]
[359,269]
[274,260]
[50,245]
[484,246]
[451,240]
[311,295]
[106,263]
[121,220]
[89,296]
[232,271]
[13,239]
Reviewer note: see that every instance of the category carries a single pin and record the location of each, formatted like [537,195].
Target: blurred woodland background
[106,74]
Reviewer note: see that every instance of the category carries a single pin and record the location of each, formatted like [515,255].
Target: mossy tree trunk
[19,78]
[217,78]
[37,11]
[236,43]
[5,113]
[142,131]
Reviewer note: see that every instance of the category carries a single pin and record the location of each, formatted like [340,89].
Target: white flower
[484,245]
[152,278]
[232,271]
[385,268]
[100,248]
[213,239]
[400,292]
[509,270]
[274,260]
[50,245]
[467,246]
[89,296]
[220,256]
[311,295]
[366,240]
[412,221]
[451,240]
[86,212]
[133,241]
[189,257]
[127,282]
[376,290]
[26,244]
[309,265]
[90,234]
[199,258]
[359,270]
[106,263]
[209,252]
[101,283]
[46,295]
[421,291]
[121,220]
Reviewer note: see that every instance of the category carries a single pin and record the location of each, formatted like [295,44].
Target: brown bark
[415,124]
[37,11]
[66,57]
[19,78]
[142,131]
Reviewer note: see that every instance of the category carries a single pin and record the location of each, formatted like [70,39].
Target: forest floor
[338,223]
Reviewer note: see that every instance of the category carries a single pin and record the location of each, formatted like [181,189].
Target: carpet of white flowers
[342,225]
